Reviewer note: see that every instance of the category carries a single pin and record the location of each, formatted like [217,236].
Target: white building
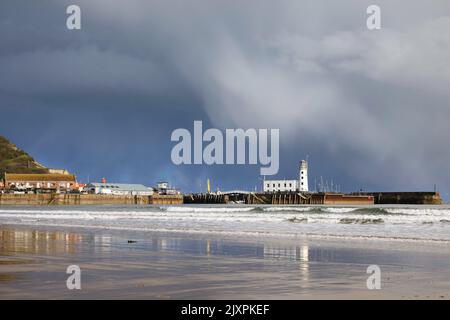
[290,185]
[280,185]
[121,189]
[162,185]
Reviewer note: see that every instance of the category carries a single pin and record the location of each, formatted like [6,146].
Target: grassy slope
[14,160]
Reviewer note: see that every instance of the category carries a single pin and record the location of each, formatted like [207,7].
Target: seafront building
[164,188]
[46,182]
[120,189]
[280,185]
[60,181]
[284,185]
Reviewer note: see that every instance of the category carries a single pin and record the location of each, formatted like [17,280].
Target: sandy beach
[156,265]
[224,150]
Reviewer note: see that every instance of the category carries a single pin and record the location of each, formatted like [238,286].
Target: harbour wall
[285,198]
[86,199]
[426,198]
[309,199]
[299,198]
[369,198]
[207,198]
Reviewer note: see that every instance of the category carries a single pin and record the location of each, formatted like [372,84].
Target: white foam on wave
[84,216]
[420,212]
[71,212]
[423,222]
[259,233]
[276,209]
[307,209]
[338,210]
[203,210]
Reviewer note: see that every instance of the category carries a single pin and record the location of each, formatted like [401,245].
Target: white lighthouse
[303,179]
[299,185]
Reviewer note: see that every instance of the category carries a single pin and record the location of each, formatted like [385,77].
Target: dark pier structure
[206,198]
[282,198]
[323,198]
[425,198]
[287,198]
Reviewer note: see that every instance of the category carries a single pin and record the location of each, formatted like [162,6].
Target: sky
[369,108]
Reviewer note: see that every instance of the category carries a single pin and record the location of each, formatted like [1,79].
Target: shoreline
[158,266]
[380,223]
[229,234]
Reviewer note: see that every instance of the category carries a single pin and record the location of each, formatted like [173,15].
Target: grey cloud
[376,103]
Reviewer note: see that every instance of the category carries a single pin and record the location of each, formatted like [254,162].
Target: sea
[393,222]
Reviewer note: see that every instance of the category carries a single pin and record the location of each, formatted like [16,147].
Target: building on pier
[119,189]
[301,184]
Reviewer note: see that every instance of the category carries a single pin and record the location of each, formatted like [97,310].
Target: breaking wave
[388,222]
[327,210]
[298,220]
[360,221]
[207,209]
[283,209]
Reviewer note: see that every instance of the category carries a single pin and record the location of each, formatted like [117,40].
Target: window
[285,185]
[302,178]
[268,185]
[279,185]
[302,183]
[274,185]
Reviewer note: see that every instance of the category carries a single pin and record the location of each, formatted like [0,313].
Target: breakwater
[85,199]
[327,198]
[208,198]
[285,198]
[427,198]
[414,198]
[309,198]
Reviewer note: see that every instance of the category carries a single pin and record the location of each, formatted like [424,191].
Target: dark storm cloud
[371,108]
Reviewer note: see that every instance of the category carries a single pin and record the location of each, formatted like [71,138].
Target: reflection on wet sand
[49,242]
[38,242]
[33,264]
[15,243]
[299,253]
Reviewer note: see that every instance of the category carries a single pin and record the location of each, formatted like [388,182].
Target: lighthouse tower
[303,179]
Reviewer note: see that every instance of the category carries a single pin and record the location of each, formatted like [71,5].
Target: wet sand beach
[157,265]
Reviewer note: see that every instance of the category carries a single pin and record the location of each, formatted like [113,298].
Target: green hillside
[14,160]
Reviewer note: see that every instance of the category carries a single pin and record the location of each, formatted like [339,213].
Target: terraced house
[46,182]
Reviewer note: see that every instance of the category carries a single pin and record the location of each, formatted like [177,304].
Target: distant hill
[14,160]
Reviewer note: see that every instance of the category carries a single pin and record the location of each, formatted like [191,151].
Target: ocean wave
[419,212]
[297,220]
[321,209]
[360,221]
[51,211]
[256,233]
[282,209]
[207,210]
[381,211]
[272,219]
[308,209]
[338,210]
